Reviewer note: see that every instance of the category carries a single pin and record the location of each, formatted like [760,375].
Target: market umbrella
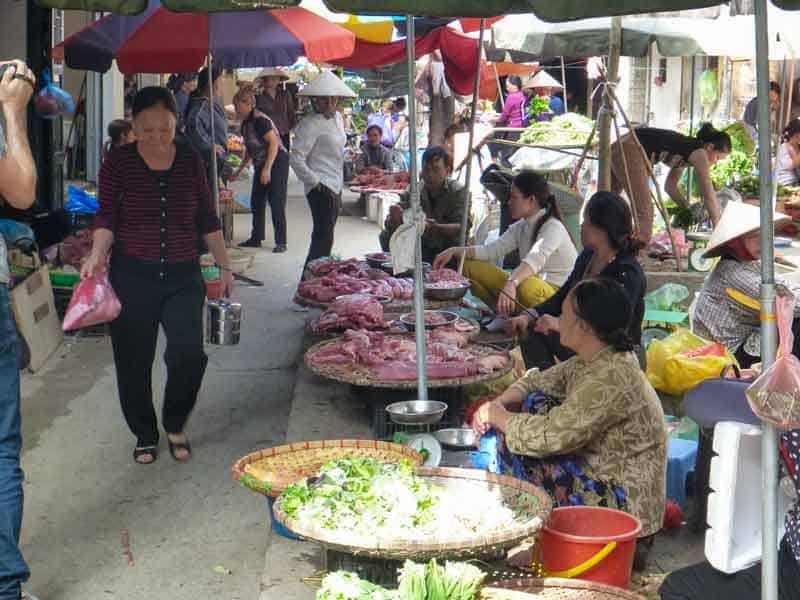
[162,41]
[525,37]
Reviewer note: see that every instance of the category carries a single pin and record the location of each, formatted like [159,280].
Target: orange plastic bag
[775,395]
[682,360]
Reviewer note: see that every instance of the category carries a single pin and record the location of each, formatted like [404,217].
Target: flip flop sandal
[175,446]
[139,452]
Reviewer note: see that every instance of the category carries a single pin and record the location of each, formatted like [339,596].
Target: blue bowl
[276,526]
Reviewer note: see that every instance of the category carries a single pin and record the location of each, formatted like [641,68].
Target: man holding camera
[17,188]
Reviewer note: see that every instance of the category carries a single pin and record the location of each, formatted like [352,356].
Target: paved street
[194,533]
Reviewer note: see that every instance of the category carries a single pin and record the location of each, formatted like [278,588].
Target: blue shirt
[556,105]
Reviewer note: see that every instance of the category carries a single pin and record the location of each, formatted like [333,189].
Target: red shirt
[148,223]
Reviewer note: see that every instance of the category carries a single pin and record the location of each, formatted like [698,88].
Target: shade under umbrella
[162,41]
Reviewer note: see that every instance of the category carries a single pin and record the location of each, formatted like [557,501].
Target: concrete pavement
[194,533]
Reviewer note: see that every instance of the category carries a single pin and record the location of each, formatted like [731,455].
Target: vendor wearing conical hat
[317,157]
[276,102]
[544,85]
[728,309]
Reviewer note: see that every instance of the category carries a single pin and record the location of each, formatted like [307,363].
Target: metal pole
[564,83]
[604,117]
[690,174]
[413,190]
[214,183]
[473,114]
[769,439]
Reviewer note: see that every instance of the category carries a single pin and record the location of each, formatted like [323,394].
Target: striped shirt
[151,222]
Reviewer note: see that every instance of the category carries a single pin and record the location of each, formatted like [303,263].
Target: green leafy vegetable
[737,165]
[343,585]
[564,130]
[412,582]
[538,106]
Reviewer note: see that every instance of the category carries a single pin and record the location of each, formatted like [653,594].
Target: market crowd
[584,422]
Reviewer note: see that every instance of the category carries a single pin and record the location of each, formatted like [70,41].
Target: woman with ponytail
[591,429]
[610,250]
[676,151]
[539,235]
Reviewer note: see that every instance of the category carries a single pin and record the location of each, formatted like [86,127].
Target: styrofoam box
[733,540]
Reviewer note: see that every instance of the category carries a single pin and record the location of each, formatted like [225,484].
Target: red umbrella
[162,41]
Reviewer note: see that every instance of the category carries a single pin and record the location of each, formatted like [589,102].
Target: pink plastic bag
[93,301]
[775,395]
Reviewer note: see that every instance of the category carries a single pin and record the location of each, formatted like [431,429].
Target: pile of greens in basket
[569,129]
[453,581]
[361,495]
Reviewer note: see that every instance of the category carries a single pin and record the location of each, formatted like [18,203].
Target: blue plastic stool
[276,526]
[681,458]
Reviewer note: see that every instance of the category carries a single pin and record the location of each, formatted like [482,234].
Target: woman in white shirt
[544,244]
[317,157]
[789,155]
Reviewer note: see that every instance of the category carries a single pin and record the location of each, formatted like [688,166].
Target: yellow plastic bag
[682,360]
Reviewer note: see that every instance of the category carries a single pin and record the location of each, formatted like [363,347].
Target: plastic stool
[681,457]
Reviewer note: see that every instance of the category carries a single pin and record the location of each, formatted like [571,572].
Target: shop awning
[458,54]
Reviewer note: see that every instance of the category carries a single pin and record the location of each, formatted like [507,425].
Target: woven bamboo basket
[271,470]
[472,334]
[555,589]
[395,306]
[531,506]
[361,376]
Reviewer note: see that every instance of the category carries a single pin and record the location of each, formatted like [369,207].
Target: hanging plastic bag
[682,360]
[81,201]
[775,395]
[52,102]
[93,302]
[666,297]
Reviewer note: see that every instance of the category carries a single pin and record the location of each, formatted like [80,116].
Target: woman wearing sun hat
[727,308]
[317,157]
[542,85]
[276,102]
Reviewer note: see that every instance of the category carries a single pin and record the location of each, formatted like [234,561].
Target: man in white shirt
[317,157]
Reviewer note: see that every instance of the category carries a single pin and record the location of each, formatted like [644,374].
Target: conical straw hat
[327,84]
[542,80]
[738,219]
[273,72]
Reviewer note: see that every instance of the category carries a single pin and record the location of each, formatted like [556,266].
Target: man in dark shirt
[441,199]
[751,112]
[18,187]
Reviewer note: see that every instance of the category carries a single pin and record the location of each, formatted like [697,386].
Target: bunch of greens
[453,581]
[538,106]
[343,585]
[361,495]
[741,138]
[564,130]
[736,165]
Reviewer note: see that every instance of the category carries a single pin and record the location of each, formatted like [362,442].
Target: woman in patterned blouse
[590,430]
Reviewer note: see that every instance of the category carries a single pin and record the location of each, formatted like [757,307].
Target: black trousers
[275,194]
[702,581]
[746,361]
[286,138]
[540,350]
[324,204]
[175,303]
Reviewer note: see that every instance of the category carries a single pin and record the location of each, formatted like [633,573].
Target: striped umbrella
[162,41]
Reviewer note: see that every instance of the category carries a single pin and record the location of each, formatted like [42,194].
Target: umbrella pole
[604,116]
[473,114]
[413,189]
[690,174]
[769,438]
[214,175]
[564,84]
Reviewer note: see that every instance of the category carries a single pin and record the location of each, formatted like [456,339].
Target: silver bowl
[416,412]
[409,319]
[459,438]
[444,294]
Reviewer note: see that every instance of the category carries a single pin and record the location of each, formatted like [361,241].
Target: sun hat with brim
[542,79]
[273,72]
[327,84]
[738,219]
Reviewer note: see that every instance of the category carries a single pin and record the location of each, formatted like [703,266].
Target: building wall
[13,28]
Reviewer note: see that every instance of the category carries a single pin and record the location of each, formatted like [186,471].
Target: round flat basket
[271,470]
[363,377]
[530,505]
[553,588]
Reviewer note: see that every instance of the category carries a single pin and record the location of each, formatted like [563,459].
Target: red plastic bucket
[592,543]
